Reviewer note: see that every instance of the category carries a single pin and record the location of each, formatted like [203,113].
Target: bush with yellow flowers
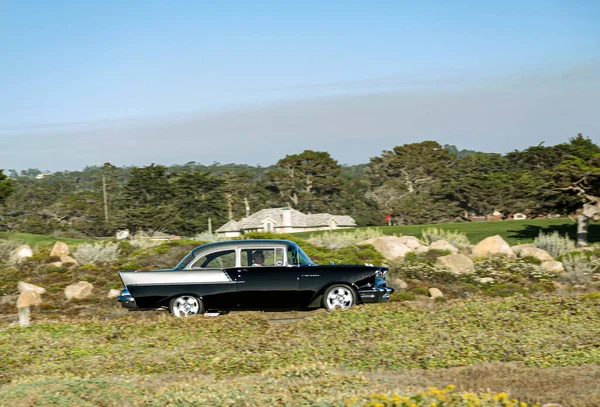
[435,397]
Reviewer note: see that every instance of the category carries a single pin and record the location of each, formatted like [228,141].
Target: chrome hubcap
[339,297]
[185,306]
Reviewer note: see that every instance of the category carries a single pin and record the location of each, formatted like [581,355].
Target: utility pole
[105,198]
[210,226]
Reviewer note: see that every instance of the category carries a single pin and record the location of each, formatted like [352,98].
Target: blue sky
[134,82]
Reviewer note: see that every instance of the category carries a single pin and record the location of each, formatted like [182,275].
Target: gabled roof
[323,219]
[298,219]
[231,226]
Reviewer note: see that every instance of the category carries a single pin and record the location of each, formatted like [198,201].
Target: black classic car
[252,275]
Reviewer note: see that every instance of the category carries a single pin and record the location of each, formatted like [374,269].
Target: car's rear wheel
[186,305]
[339,296]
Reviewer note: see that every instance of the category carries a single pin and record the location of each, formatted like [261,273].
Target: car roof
[246,242]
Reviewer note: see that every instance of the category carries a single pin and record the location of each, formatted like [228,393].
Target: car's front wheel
[339,296]
[186,305]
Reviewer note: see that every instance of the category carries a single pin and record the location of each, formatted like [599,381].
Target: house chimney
[286,219]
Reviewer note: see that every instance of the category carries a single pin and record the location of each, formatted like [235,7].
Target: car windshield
[297,257]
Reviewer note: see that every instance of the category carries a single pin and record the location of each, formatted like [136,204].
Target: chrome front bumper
[376,294]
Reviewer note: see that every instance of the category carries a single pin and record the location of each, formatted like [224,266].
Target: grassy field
[34,240]
[151,358]
[513,231]
[539,344]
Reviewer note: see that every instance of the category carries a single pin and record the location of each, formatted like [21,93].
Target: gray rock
[458,263]
[493,245]
[59,249]
[23,286]
[398,284]
[539,254]
[79,290]
[21,253]
[411,241]
[28,299]
[553,266]
[443,245]
[517,249]
[113,293]
[68,260]
[435,293]
[390,247]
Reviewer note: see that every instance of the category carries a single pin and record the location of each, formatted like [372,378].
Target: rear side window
[220,260]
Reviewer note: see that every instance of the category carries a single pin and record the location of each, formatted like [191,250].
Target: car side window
[268,257]
[220,260]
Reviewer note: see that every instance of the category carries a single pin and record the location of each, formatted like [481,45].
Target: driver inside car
[258,258]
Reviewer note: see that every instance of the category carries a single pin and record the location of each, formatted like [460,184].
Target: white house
[285,220]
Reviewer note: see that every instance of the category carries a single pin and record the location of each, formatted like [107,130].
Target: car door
[219,295]
[270,285]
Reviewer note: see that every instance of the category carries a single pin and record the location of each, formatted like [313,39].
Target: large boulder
[458,263]
[553,266]
[79,290]
[390,247]
[21,253]
[23,286]
[411,242]
[493,245]
[443,245]
[531,251]
[59,249]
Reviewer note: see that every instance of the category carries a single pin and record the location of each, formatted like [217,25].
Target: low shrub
[555,244]
[403,296]
[424,272]
[431,255]
[130,265]
[504,290]
[141,240]
[6,249]
[94,253]
[337,240]
[437,397]
[506,270]
[455,238]
[208,237]
[579,268]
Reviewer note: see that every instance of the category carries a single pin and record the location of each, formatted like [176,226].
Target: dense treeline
[414,183]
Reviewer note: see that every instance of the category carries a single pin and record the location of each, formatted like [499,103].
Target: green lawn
[513,231]
[39,240]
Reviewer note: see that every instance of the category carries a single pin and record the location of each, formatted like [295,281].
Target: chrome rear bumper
[126,300]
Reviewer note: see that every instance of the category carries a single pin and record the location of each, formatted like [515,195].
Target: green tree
[309,182]
[487,182]
[148,200]
[411,182]
[578,176]
[6,187]
[198,196]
